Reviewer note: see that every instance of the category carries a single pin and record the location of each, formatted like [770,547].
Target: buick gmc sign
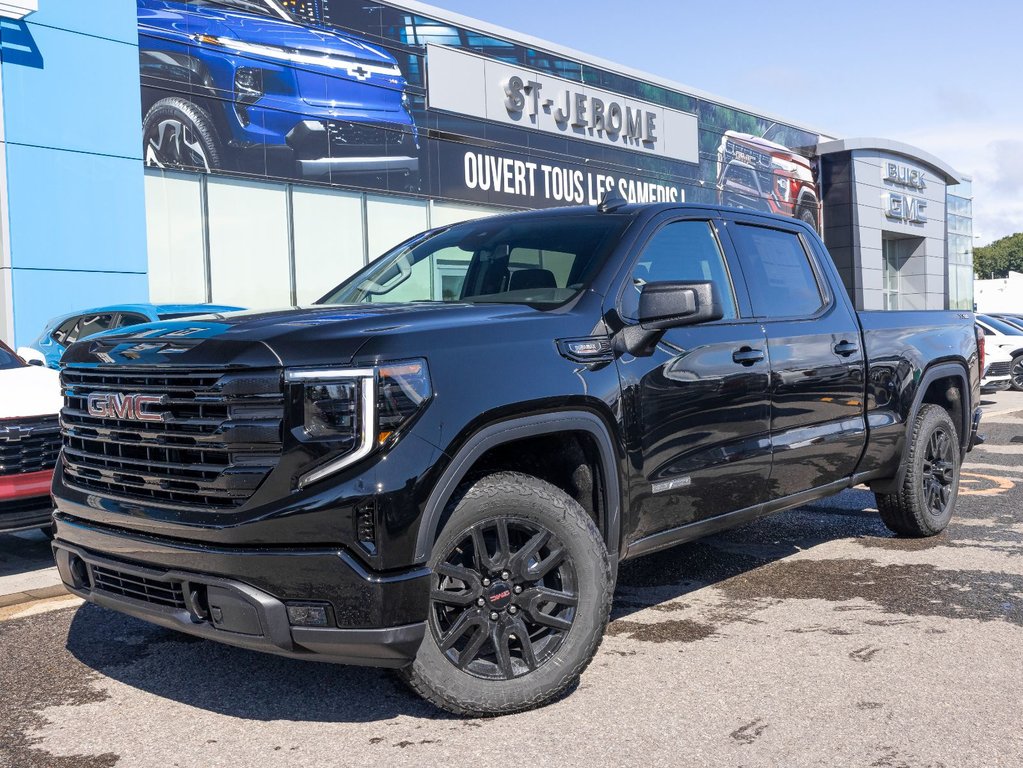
[898,204]
[479,87]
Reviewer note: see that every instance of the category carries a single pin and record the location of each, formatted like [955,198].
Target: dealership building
[257,152]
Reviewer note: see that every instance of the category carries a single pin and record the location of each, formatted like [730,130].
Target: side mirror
[664,305]
[673,304]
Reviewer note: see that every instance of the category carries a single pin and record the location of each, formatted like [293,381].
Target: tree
[997,259]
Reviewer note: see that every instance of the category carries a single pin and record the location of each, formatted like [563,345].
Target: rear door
[818,428]
[697,410]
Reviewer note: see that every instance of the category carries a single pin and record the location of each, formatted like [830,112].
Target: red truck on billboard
[762,175]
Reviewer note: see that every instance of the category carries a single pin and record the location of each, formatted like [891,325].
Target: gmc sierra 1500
[440,465]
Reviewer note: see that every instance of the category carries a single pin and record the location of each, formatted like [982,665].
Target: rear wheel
[926,501]
[520,598]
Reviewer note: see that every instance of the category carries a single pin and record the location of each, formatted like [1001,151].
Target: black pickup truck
[439,466]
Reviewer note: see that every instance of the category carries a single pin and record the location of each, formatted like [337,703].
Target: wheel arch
[508,431]
[948,371]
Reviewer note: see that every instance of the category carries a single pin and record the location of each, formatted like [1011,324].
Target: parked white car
[1006,337]
[29,442]
[997,369]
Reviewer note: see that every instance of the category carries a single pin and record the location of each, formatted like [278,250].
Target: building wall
[871,219]
[72,213]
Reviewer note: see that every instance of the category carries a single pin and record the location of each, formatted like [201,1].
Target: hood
[767,146]
[255,28]
[319,335]
[29,391]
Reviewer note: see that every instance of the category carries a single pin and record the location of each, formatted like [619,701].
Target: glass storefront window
[174,231]
[329,243]
[444,214]
[959,234]
[248,231]
[390,220]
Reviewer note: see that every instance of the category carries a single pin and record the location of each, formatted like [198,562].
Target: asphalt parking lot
[810,638]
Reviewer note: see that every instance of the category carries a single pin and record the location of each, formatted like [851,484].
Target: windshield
[1001,326]
[542,260]
[8,359]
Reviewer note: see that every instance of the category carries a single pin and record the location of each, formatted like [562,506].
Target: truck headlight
[357,410]
[784,187]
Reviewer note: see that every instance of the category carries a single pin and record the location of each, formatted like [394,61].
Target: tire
[926,501]
[177,133]
[1016,373]
[808,216]
[472,661]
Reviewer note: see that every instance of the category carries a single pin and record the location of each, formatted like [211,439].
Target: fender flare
[502,432]
[939,371]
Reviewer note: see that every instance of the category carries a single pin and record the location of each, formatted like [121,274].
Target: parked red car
[29,442]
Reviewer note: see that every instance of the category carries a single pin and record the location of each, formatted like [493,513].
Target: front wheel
[924,504]
[177,133]
[1016,373]
[520,596]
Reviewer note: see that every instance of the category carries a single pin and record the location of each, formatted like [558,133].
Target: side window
[91,324]
[779,276]
[65,331]
[130,318]
[682,250]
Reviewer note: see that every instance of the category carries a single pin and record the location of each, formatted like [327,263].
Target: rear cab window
[780,277]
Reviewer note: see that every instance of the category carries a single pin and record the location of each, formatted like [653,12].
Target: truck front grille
[29,445]
[217,437]
[357,139]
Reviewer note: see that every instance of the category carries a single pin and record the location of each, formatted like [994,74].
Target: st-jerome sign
[480,87]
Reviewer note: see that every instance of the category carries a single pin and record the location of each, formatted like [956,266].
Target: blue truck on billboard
[238,85]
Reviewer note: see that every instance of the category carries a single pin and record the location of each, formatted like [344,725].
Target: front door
[697,410]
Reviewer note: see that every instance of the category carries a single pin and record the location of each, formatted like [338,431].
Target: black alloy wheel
[939,471]
[519,598]
[503,598]
[924,502]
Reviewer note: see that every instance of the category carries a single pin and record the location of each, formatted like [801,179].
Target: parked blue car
[62,331]
[238,85]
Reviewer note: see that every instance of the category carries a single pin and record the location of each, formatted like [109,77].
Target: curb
[17,598]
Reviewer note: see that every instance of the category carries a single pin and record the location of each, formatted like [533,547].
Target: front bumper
[25,501]
[322,166]
[25,514]
[323,147]
[240,597]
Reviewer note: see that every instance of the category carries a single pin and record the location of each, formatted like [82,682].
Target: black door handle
[846,348]
[747,356]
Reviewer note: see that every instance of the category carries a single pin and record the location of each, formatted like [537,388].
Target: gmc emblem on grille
[114,405]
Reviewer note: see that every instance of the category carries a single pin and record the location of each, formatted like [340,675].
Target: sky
[944,76]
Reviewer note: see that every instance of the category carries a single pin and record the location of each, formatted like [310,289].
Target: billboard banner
[380,98]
